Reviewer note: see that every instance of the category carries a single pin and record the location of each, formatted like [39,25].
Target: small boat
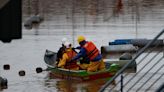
[80,75]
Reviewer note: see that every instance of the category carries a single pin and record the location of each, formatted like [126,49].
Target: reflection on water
[27,53]
[62,85]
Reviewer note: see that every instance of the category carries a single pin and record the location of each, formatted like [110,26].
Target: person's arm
[80,54]
[78,47]
[62,61]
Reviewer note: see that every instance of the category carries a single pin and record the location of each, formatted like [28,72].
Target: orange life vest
[91,49]
[71,64]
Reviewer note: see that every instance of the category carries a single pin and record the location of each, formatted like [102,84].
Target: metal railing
[157,58]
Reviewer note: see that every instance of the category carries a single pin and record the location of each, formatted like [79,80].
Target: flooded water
[27,53]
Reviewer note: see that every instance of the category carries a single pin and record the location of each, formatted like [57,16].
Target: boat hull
[82,78]
[82,75]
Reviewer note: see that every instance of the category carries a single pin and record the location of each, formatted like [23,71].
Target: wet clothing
[95,66]
[89,52]
[66,58]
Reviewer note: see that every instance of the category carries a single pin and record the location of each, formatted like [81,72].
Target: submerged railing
[129,81]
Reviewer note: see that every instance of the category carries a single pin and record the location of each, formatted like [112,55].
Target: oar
[39,69]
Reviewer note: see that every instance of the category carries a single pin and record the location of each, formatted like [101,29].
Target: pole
[122,84]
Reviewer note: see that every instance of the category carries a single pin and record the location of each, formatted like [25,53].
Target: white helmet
[67,44]
[64,40]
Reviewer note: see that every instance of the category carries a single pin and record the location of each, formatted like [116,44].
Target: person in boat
[66,58]
[61,50]
[90,53]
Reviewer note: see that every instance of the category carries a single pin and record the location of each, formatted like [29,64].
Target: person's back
[66,58]
[60,53]
[61,50]
[90,51]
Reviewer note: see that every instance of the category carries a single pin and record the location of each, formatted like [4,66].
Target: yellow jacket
[65,61]
[62,61]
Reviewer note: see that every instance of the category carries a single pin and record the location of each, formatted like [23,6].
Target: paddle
[39,69]
[50,59]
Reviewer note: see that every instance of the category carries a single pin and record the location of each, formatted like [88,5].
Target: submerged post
[3,83]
